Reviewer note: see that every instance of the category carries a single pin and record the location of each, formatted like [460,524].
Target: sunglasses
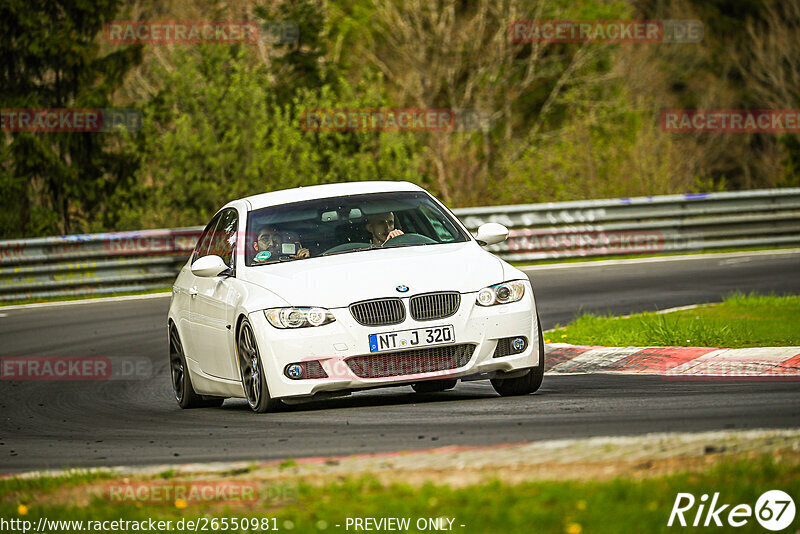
[266,238]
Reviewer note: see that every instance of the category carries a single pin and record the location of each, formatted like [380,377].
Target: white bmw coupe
[320,291]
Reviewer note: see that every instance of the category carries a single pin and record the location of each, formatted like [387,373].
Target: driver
[268,245]
[381,228]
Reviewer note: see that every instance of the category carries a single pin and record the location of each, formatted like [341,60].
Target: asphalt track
[136,422]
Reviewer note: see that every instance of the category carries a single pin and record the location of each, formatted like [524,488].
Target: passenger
[381,227]
[268,246]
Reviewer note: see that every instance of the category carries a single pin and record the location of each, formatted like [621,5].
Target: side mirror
[491,233]
[209,266]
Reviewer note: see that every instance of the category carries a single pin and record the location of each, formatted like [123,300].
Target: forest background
[559,121]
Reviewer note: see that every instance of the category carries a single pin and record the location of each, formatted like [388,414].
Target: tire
[181,381]
[252,370]
[528,383]
[433,386]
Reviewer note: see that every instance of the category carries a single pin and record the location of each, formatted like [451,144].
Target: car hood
[339,280]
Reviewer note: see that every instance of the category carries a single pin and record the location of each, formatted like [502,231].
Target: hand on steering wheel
[392,235]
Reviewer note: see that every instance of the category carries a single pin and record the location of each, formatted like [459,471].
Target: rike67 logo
[774,510]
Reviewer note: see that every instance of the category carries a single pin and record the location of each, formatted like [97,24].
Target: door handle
[193,292]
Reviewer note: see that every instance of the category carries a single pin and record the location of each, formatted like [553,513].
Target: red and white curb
[688,362]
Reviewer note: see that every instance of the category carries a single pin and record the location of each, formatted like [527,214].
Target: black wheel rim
[249,365]
[176,364]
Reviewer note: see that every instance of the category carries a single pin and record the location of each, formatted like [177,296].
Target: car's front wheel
[527,383]
[252,370]
[181,381]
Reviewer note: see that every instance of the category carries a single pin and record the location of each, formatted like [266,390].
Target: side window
[224,242]
[201,248]
[443,233]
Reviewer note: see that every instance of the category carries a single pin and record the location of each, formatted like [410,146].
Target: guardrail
[150,259]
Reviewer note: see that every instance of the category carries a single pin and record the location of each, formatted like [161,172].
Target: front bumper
[334,343]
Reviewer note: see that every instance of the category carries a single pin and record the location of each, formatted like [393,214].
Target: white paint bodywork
[207,321]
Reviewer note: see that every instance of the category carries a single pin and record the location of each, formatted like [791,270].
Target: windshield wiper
[349,250]
[407,245]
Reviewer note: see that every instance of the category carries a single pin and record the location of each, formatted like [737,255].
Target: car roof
[314,192]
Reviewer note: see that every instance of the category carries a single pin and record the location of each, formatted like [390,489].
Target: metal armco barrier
[150,259]
[644,225]
[93,264]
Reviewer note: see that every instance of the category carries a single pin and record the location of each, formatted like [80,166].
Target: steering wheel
[409,239]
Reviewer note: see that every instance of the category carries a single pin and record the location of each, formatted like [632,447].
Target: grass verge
[739,321]
[613,506]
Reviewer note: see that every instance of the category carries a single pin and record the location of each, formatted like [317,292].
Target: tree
[217,131]
[57,182]
[770,62]
[459,55]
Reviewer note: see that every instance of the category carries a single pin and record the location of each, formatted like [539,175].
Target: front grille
[432,306]
[379,312]
[411,362]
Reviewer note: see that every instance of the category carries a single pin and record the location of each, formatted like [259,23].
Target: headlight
[298,317]
[501,293]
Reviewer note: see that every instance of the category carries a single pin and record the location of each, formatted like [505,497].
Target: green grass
[25,488]
[617,506]
[739,321]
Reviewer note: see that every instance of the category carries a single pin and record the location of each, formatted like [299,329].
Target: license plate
[406,339]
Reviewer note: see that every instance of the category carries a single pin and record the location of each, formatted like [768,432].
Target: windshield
[348,224]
